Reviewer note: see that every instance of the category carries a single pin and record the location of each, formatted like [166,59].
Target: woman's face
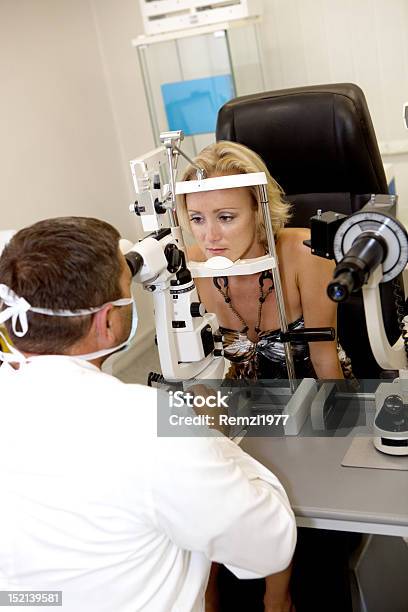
[223,222]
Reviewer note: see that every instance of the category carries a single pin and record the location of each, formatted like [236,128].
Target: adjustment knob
[135,208]
[178,324]
[197,309]
[173,256]
[156,181]
[393,404]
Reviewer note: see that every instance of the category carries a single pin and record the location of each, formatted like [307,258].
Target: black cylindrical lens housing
[366,253]
[134,261]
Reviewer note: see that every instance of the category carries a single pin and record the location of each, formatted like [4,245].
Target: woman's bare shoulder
[299,257]
[291,239]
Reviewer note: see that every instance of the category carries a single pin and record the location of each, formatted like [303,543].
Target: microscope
[188,338]
[371,247]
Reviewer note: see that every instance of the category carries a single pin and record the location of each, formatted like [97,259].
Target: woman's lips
[216,251]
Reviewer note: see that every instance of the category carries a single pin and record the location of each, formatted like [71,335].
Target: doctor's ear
[103,321]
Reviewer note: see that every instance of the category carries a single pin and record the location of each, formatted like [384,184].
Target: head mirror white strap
[81,311]
[16,310]
[17,307]
[13,356]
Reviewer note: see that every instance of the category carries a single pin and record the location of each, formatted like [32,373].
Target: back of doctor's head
[66,263]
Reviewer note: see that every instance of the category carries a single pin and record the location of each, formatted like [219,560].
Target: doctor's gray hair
[225,157]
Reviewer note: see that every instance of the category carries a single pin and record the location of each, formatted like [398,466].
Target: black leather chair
[319,143]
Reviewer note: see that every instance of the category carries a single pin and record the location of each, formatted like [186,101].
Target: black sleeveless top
[264,359]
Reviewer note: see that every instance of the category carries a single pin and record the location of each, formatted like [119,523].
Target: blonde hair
[225,157]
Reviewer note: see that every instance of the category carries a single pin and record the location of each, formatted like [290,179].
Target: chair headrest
[317,139]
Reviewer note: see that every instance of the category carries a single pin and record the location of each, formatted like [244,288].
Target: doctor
[93,502]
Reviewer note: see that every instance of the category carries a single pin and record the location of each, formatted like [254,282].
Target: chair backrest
[319,143]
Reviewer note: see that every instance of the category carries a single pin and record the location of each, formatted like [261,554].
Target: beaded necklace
[224,291]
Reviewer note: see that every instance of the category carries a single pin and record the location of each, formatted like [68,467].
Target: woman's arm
[277,596]
[313,274]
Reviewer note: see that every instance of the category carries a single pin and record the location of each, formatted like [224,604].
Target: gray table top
[319,487]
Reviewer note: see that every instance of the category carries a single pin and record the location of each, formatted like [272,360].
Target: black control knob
[135,208]
[393,415]
[174,257]
[197,309]
[158,207]
[393,404]
[156,181]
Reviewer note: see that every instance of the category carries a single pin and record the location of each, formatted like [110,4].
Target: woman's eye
[196,219]
[226,218]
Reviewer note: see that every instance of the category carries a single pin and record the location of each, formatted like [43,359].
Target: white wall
[59,145]
[72,113]
[308,42]
[116,24]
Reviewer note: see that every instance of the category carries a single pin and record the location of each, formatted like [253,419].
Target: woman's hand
[277,596]
[283,606]
[212,603]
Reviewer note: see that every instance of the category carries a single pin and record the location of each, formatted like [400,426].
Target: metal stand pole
[278,286]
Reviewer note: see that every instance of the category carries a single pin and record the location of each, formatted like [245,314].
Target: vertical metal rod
[259,48]
[141,51]
[229,55]
[172,211]
[277,284]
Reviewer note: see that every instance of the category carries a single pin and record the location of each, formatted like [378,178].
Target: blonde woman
[229,222]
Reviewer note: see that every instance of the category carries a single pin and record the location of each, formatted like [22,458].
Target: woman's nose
[213,231]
